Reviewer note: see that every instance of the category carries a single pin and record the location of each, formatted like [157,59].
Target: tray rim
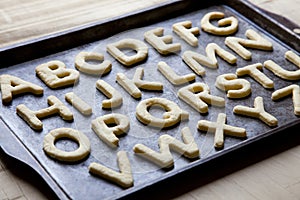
[60,39]
[26,157]
[246,146]
[174,4]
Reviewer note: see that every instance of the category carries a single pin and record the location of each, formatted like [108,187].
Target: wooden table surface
[277,177]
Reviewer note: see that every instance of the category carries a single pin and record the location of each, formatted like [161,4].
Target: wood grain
[287,8]
[277,177]
[22,20]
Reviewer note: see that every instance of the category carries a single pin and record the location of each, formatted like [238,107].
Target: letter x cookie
[221,129]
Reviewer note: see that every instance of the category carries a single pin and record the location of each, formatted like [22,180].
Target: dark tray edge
[269,22]
[39,47]
[60,41]
[19,152]
[229,160]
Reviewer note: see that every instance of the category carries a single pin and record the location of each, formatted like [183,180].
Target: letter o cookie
[66,156]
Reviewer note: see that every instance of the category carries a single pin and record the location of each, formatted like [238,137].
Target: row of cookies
[55,75]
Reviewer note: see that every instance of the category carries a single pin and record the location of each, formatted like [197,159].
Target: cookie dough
[197,95]
[129,85]
[175,79]
[292,57]
[286,91]
[33,117]
[228,25]
[66,156]
[255,41]
[173,115]
[257,112]
[162,43]
[254,71]
[94,69]
[195,60]
[236,88]
[146,85]
[283,73]
[220,128]
[12,85]
[115,97]
[55,75]
[102,126]
[115,49]
[164,158]
[185,31]
[123,178]
[78,103]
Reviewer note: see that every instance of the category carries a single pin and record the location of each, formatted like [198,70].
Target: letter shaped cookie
[115,98]
[255,41]
[172,116]
[55,75]
[146,85]
[101,127]
[132,86]
[283,73]
[291,89]
[187,32]
[128,85]
[175,79]
[115,49]
[197,96]
[12,85]
[95,69]
[220,129]
[123,178]
[194,60]
[256,74]
[225,30]
[78,103]
[237,88]
[257,112]
[33,117]
[162,43]
[164,158]
[67,156]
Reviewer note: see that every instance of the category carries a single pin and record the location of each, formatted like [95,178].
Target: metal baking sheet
[73,181]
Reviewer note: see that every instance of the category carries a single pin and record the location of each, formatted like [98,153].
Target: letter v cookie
[123,178]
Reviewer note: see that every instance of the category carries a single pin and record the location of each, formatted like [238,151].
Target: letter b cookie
[55,75]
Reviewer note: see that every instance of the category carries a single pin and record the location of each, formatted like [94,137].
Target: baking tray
[73,181]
